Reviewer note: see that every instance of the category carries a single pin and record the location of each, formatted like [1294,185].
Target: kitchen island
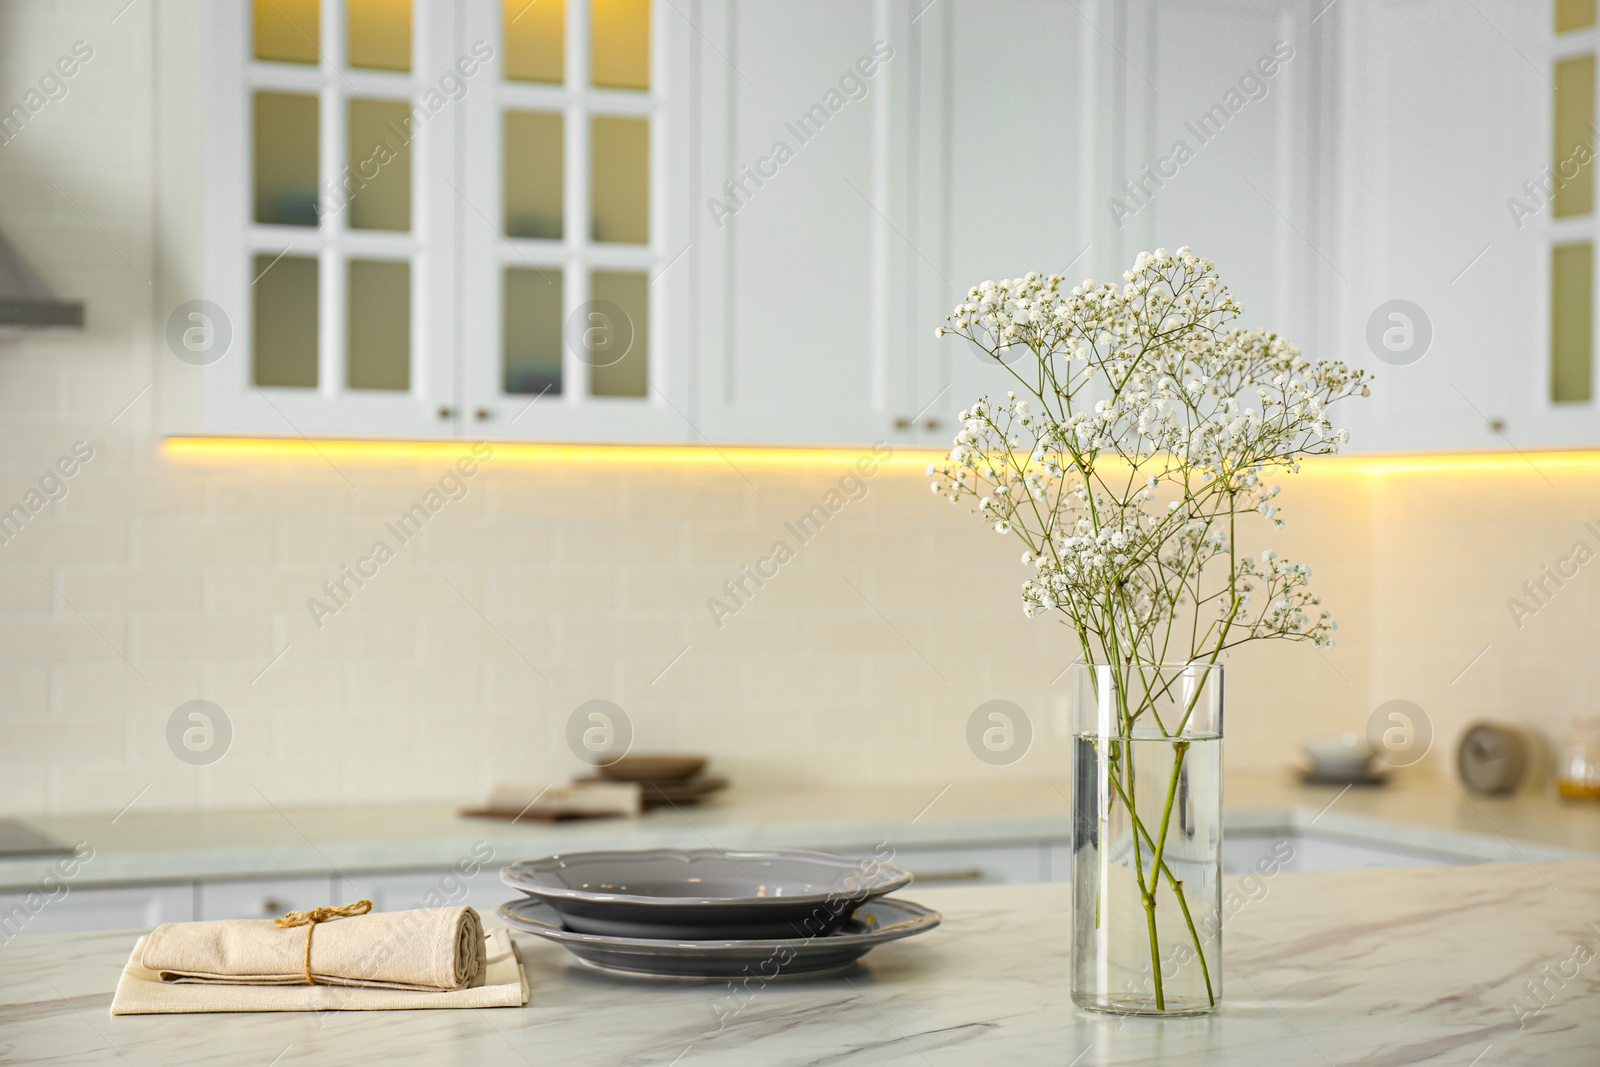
[1495,963]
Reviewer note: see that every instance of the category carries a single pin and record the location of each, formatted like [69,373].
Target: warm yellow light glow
[226,450]
[223,450]
[1531,463]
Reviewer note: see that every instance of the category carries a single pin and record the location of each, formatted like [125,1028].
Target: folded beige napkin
[429,949]
[141,991]
[578,799]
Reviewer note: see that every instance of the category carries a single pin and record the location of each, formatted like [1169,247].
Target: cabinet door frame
[233,404]
[667,260]
[722,416]
[86,907]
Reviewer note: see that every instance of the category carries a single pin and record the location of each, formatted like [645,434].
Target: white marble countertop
[1390,967]
[166,847]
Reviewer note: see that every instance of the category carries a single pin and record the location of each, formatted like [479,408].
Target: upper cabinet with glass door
[1458,261]
[329,218]
[574,194]
[639,220]
[1572,230]
[433,218]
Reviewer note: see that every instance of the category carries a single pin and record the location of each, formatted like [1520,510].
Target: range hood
[25,300]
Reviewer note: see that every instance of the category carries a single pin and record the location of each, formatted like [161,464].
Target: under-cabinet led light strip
[273,449]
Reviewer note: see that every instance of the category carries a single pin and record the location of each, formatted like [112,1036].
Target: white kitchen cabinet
[427,889]
[263,898]
[298,334]
[972,865]
[1298,850]
[1220,151]
[1058,861]
[276,282]
[1441,119]
[800,215]
[566,268]
[1002,137]
[1007,163]
[827,180]
[95,908]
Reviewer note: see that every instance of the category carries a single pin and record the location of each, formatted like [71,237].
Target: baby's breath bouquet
[1139,446]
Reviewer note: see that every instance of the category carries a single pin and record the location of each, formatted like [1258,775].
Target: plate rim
[888,878]
[919,919]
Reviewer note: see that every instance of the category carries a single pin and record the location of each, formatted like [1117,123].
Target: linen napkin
[580,800]
[428,949]
[502,982]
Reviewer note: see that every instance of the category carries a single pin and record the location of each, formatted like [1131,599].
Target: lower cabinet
[474,881]
[262,899]
[68,908]
[988,865]
[399,892]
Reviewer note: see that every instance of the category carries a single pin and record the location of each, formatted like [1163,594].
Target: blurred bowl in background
[1345,756]
[656,767]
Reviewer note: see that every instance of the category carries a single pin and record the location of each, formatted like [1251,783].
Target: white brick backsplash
[112,688]
[198,639]
[275,498]
[24,691]
[153,590]
[195,540]
[599,574]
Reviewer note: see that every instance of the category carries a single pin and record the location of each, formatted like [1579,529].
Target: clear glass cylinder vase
[1147,838]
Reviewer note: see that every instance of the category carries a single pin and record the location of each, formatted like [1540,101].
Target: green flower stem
[1180,749]
[1177,889]
[1199,951]
[1146,893]
[1155,943]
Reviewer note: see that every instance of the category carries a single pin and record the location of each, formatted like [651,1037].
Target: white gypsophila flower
[1135,386]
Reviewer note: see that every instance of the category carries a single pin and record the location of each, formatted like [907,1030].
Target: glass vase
[1147,838]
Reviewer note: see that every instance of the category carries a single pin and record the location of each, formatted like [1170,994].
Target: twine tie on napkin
[310,919]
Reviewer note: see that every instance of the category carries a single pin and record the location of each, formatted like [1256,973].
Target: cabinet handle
[446,412]
[272,906]
[482,413]
[962,874]
[931,424]
[902,423]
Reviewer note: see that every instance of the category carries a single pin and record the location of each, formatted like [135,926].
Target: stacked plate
[707,913]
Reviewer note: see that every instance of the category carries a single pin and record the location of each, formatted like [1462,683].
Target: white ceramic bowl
[1343,756]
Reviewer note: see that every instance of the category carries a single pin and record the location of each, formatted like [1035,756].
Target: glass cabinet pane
[1572,322]
[285,150]
[1574,114]
[532,354]
[378,345]
[619,49]
[1574,14]
[535,40]
[533,167]
[284,352]
[286,31]
[620,179]
[616,336]
[378,181]
[378,34]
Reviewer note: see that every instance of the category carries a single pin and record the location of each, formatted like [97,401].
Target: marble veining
[1380,967]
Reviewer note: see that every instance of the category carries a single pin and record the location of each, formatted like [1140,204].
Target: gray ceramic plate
[879,922]
[704,894]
